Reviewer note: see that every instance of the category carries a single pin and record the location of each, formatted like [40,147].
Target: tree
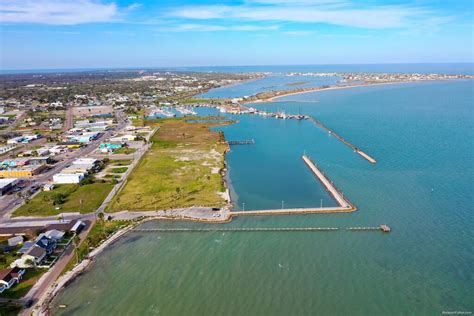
[58,198]
[76,240]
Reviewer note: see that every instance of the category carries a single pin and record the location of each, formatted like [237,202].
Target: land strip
[183,168]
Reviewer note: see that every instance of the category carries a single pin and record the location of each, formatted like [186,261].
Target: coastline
[336,87]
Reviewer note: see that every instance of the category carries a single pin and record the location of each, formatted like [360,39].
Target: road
[11,202]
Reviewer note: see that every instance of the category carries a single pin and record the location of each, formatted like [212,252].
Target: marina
[240,110]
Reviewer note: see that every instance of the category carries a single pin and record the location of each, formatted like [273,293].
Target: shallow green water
[421,135]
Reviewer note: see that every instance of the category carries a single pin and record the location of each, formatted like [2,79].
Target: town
[70,144]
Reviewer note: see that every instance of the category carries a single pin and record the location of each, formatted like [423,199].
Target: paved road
[11,202]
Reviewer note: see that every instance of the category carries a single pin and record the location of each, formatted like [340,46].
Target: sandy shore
[315,89]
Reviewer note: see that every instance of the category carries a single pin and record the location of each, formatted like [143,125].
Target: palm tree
[76,240]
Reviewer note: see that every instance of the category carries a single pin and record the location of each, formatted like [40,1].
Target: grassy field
[9,309]
[30,277]
[125,151]
[180,170]
[68,198]
[195,101]
[117,170]
[122,162]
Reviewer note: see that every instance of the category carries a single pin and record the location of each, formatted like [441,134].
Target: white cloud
[298,33]
[345,14]
[58,12]
[215,28]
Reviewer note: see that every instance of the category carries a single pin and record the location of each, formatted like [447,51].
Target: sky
[48,34]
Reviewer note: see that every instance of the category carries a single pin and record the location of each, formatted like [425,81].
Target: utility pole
[243,206]
[321,204]
[282,204]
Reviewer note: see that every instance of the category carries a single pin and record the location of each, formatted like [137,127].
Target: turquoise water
[421,135]
[274,82]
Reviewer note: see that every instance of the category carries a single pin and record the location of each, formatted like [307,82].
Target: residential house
[8,277]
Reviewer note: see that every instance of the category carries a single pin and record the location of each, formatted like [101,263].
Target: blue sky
[39,34]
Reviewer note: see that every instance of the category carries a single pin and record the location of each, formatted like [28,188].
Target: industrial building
[7,185]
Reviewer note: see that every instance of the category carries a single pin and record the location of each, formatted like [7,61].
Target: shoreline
[337,87]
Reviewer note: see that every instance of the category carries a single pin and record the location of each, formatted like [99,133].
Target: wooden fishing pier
[237,229]
[256,229]
[242,142]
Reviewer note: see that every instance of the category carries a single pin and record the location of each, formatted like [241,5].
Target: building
[21,172]
[77,169]
[55,234]
[78,227]
[9,277]
[64,178]
[7,185]
[7,148]
[15,241]
[48,187]
[45,242]
[123,138]
[35,254]
[35,161]
[82,161]
[109,147]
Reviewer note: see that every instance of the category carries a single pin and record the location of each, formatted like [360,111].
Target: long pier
[242,142]
[345,142]
[382,228]
[338,196]
[239,229]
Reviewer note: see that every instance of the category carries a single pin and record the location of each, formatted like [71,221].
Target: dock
[345,142]
[336,194]
[242,142]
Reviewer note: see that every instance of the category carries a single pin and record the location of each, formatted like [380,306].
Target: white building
[123,138]
[64,178]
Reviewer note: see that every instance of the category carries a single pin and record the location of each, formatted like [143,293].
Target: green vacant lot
[125,151]
[181,169]
[68,198]
[117,170]
[122,162]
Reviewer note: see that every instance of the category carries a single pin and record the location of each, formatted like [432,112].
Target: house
[35,254]
[8,277]
[55,234]
[45,242]
[63,178]
[26,246]
[15,241]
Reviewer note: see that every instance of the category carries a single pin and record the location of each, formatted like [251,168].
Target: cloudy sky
[139,33]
